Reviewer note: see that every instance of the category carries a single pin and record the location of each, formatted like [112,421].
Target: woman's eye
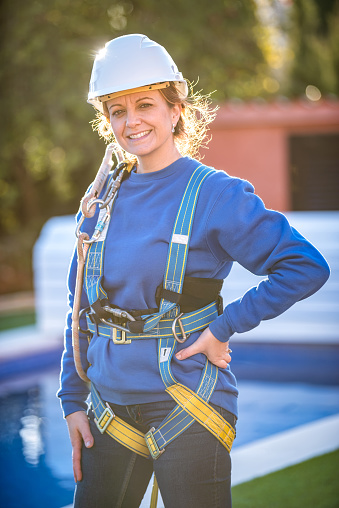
[145,105]
[117,112]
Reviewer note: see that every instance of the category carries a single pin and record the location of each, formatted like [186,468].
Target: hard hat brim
[98,102]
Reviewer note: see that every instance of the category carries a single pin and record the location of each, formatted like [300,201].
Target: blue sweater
[231,224]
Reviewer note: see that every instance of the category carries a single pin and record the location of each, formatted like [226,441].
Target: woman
[165,256]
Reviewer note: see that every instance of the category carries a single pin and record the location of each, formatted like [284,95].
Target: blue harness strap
[95,261]
[117,428]
[177,260]
[179,245]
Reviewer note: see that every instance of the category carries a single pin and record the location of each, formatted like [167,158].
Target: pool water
[35,453]
[27,479]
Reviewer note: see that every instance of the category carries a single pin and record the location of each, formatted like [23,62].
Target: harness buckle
[181,326]
[121,314]
[152,445]
[105,419]
[122,339]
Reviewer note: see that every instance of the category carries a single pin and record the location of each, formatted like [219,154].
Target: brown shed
[288,150]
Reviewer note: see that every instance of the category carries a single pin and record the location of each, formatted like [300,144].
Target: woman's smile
[139,135]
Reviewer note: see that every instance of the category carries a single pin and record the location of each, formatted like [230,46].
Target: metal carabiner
[114,186]
[81,313]
[119,313]
[183,333]
[80,223]
[100,224]
[82,218]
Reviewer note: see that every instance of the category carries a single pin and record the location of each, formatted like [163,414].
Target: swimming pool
[35,453]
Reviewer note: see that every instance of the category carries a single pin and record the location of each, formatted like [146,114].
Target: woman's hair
[190,133]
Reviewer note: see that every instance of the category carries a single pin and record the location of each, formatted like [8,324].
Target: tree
[314,34]
[49,153]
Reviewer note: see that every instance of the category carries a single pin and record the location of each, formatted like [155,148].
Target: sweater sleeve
[263,242]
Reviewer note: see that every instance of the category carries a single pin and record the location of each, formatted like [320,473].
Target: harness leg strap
[203,413]
[117,428]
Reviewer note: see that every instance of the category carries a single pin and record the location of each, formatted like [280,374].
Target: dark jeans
[194,471]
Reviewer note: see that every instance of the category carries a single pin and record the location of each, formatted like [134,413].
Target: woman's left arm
[240,228]
[263,242]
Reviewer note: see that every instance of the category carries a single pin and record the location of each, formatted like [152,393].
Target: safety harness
[168,324]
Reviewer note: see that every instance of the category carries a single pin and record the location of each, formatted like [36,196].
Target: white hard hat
[130,62]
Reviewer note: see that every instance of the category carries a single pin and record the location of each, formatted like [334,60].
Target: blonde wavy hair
[191,131]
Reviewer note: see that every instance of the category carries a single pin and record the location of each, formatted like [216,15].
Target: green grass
[311,484]
[16,319]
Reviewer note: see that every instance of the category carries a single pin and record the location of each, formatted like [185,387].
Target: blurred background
[272,66]
[267,52]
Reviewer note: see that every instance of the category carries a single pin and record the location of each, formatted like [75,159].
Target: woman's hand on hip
[79,431]
[217,352]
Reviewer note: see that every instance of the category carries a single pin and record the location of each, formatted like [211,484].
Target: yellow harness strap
[128,436]
[203,413]
[188,400]
[107,421]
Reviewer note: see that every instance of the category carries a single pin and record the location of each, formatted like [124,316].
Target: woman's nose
[132,119]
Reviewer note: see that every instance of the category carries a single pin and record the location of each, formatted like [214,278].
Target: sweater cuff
[221,329]
[69,407]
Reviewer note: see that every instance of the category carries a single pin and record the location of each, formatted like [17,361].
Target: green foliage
[49,153]
[313,483]
[47,46]
[214,42]
[315,43]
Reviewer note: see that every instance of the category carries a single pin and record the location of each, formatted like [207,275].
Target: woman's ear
[176,112]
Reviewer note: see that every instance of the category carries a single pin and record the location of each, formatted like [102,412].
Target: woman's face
[142,125]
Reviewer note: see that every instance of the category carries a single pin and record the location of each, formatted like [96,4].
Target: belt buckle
[152,445]
[105,419]
[183,333]
[120,340]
